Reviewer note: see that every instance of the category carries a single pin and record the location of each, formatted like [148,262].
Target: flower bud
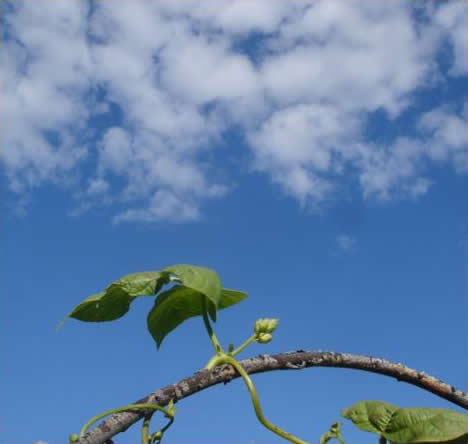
[259,326]
[265,325]
[171,410]
[264,338]
[272,324]
[73,438]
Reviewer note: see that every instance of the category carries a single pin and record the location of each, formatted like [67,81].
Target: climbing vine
[184,291]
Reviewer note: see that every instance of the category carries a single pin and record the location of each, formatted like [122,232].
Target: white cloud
[337,52]
[40,101]
[218,74]
[298,79]
[451,18]
[394,170]
[235,17]
[162,206]
[115,152]
[447,136]
[98,186]
[299,143]
[345,242]
[302,134]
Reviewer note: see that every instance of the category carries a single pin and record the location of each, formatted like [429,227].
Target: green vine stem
[85,428]
[210,331]
[145,438]
[249,341]
[226,359]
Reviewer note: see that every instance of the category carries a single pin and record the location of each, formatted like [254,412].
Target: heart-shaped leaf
[202,280]
[371,416]
[409,425]
[107,305]
[174,306]
[230,297]
[171,307]
[146,283]
[421,425]
[114,301]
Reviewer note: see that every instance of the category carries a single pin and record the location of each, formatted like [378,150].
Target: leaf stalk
[211,334]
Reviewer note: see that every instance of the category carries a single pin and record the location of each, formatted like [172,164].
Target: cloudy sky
[313,152]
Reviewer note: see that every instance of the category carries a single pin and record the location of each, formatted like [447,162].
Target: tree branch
[263,363]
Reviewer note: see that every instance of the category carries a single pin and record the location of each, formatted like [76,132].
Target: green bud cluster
[264,338]
[265,325]
[263,329]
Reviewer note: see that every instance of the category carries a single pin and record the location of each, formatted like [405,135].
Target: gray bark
[295,360]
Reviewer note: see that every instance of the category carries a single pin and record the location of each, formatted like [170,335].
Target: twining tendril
[227,358]
[146,438]
[156,437]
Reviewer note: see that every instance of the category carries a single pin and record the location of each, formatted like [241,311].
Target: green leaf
[174,306]
[370,416]
[107,305]
[202,280]
[114,301]
[409,425]
[146,283]
[171,308]
[418,425]
[230,297]
[183,301]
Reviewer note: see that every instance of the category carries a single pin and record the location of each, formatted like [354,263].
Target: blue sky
[313,153]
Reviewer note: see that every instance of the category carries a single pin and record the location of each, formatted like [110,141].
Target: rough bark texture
[295,360]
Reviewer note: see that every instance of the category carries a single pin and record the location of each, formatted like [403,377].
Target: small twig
[284,361]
